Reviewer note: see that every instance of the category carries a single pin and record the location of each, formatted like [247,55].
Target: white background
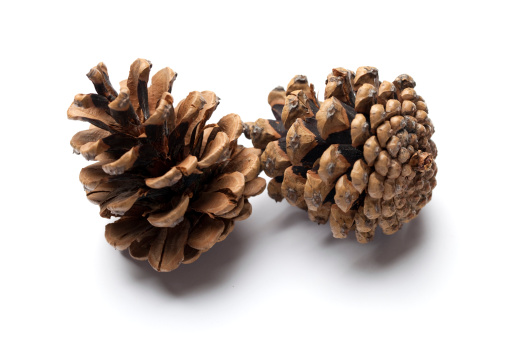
[278,274]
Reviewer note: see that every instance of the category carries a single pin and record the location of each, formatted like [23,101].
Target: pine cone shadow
[383,251]
[210,270]
[388,250]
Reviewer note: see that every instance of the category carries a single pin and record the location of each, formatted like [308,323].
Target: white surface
[278,273]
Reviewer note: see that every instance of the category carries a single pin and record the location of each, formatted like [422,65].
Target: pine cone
[363,157]
[176,184]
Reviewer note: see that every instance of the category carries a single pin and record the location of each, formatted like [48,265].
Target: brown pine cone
[363,157]
[176,184]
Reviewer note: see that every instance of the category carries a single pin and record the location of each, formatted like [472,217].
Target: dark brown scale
[100,101]
[142,93]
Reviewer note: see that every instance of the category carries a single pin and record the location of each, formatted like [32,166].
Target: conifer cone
[362,158]
[176,184]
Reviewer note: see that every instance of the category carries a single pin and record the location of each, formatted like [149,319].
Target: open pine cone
[176,184]
[363,157]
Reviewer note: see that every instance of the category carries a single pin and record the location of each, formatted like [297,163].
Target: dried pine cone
[363,157]
[177,184]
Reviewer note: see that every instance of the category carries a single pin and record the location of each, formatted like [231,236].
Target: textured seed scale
[176,184]
[362,158]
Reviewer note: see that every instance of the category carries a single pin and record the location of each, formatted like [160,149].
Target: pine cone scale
[161,83]
[100,79]
[124,231]
[170,218]
[167,251]
[83,109]
[206,233]
[137,84]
